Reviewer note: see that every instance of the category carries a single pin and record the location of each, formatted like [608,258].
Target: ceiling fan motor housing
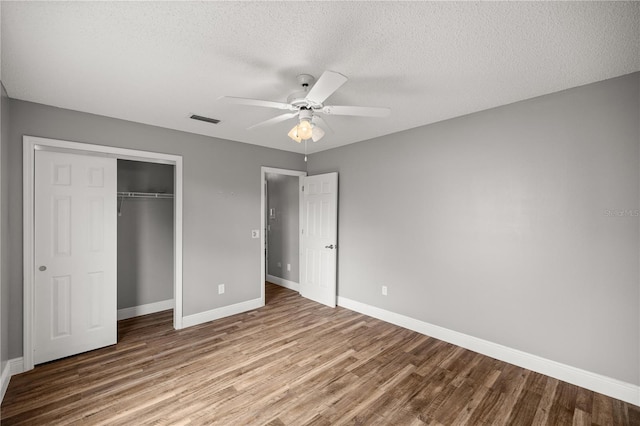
[306,114]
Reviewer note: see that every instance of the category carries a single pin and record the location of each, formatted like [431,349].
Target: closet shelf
[144,195]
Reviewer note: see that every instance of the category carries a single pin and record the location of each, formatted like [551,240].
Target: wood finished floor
[294,362]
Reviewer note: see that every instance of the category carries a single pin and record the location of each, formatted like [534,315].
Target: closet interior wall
[145,234]
[282,218]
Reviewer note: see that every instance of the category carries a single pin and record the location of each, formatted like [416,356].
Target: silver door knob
[331,246]
[43,268]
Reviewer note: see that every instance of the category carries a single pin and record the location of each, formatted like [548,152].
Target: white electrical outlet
[255,233]
[384,290]
[220,288]
[288,266]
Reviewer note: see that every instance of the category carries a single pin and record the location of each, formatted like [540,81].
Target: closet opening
[145,277]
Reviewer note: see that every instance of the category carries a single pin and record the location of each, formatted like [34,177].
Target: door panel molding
[30,145]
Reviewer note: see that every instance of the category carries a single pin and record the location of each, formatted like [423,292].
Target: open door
[318,239]
[75,254]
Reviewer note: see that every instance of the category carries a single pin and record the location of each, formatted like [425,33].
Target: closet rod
[144,195]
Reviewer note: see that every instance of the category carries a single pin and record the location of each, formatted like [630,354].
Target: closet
[145,237]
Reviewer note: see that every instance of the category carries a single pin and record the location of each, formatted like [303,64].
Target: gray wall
[4,229]
[504,225]
[145,234]
[222,185]
[510,225]
[283,238]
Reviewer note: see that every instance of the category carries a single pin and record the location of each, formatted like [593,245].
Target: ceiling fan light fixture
[317,133]
[304,129]
[293,134]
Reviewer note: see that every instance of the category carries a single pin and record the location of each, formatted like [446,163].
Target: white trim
[586,379]
[291,285]
[222,312]
[11,368]
[4,380]
[149,308]
[177,245]
[16,366]
[28,309]
[3,386]
[30,144]
[263,179]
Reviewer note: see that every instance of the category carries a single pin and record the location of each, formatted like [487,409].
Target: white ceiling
[157,63]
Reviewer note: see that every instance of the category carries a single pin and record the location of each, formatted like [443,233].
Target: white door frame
[263,206]
[30,145]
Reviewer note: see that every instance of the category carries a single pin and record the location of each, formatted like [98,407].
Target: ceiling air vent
[205,119]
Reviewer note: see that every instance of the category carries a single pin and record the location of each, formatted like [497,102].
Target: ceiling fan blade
[274,120]
[322,123]
[255,102]
[356,110]
[328,83]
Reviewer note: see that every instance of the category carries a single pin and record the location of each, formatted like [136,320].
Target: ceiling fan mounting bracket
[305,80]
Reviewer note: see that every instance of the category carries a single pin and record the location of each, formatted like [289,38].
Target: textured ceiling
[157,63]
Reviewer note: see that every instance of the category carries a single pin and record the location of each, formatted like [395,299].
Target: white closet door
[75,254]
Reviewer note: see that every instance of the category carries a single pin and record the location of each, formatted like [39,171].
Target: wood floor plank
[525,408]
[294,362]
[472,404]
[581,418]
[484,414]
[546,402]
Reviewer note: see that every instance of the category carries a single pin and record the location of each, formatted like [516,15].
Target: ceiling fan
[307,104]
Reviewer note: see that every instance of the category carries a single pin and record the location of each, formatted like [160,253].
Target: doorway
[280,265]
[33,144]
[317,235]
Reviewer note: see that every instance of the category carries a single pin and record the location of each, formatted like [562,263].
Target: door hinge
[302,188]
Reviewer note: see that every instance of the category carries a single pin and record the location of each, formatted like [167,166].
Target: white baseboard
[222,312]
[16,366]
[13,367]
[596,382]
[291,285]
[149,308]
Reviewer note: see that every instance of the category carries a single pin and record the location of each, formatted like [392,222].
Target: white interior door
[319,243]
[75,254]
